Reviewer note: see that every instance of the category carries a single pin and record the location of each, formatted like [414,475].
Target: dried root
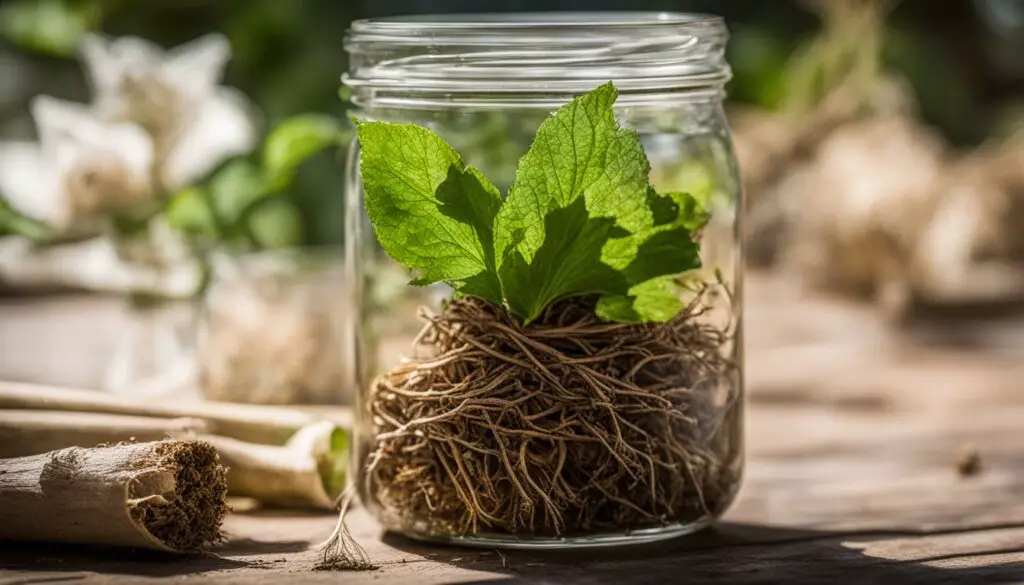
[341,552]
[165,495]
[190,519]
[567,425]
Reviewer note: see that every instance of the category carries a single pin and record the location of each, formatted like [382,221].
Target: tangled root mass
[568,425]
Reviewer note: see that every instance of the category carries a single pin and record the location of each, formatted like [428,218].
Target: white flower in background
[175,96]
[159,121]
[81,167]
[81,170]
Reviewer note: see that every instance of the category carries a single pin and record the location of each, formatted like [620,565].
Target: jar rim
[516,20]
[519,57]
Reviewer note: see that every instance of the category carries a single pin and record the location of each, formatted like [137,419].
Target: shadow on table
[245,547]
[46,558]
[727,554]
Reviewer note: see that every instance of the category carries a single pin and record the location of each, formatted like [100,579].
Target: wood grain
[852,436]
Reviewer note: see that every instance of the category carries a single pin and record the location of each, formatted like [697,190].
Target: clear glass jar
[635,468]
[270,330]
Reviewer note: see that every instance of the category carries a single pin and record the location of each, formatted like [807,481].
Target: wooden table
[853,437]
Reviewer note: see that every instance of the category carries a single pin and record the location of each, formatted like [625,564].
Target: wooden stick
[30,432]
[166,495]
[307,472]
[245,422]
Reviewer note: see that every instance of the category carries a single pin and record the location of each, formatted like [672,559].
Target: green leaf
[295,140]
[568,263]
[189,211]
[237,186]
[669,239]
[572,262]
[16,224]
[677,209]
[650,259]
[52,27]
[429,210]
[275,224]
[580,218]
[578,152]
[657,300]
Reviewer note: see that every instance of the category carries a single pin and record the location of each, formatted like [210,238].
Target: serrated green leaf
[580,218]
[657,300]
[295,140]
[678,209]
[429,210]
[649,260]
[468,197]
[578,152]
[567,264]
[666,252]
[673,213]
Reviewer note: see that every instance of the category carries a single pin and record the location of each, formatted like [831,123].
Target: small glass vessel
[633,468]
[270,332]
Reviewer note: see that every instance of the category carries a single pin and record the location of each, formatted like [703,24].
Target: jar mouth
[515,56]
[514,20]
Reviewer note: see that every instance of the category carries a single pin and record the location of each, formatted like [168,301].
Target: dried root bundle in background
[858,205]
[882,209]
[847,187]
[272,332]
[567,425]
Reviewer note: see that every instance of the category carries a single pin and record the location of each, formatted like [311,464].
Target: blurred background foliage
[963,59]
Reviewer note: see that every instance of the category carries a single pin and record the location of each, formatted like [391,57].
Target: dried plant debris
[341,552]
[906,221]
[876,213]
[968,461]
[189,518]
[569,425]
[271,333]
[924,226]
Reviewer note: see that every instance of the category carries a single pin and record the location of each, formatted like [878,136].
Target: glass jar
[503,462]
[270,330]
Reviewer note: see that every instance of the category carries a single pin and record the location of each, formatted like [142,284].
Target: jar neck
[534,60]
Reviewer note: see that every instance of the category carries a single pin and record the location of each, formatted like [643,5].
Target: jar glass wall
[270,332]
[660,458]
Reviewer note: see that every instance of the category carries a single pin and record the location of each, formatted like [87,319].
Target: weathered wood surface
[853,435]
